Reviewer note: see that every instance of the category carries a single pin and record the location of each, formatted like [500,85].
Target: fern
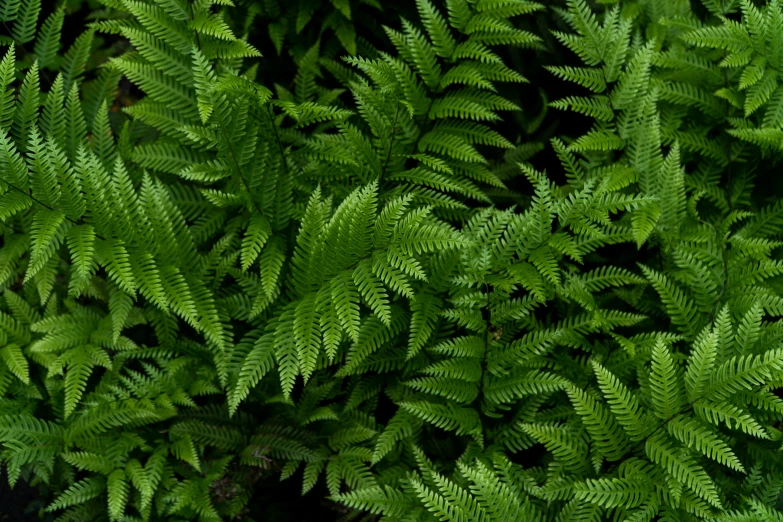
[348,243]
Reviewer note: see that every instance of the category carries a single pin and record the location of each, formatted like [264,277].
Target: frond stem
[41,203]
[391,143]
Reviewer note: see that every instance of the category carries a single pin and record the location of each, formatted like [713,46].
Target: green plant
[348,275]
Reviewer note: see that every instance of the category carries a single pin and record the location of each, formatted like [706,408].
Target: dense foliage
[458,260]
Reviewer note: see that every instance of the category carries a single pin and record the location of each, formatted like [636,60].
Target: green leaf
[307,334]
[117,487]
[79,493]
[81,243]
[47,234]
[79,371]
[682,468]
[426,309]
[14,359]
[664,383]
[372,290]
[255,238]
